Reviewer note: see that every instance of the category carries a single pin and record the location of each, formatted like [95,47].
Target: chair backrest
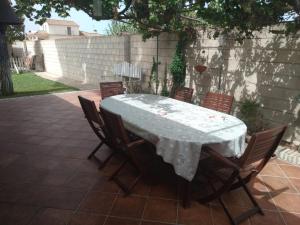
[90,111]
[261,147]
[115,128]
[108,89]
[218,102]
[184,94]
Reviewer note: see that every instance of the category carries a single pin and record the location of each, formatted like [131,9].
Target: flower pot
[200,68]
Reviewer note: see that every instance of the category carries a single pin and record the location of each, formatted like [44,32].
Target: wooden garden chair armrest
[136,143]
[218,157]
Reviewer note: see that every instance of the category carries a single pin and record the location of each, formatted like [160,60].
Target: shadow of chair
[226,174]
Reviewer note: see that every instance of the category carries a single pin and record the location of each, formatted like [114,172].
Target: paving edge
[289,155]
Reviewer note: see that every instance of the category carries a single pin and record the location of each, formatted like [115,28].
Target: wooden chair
[225,174]
[218,102]
[184,94]
[108,89]
[96,123]
[124,141]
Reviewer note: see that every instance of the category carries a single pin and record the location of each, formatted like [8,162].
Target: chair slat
[262,146]
[184,94]
[108,89]
[121,139]
[90,111]
[97,124]
[218,102]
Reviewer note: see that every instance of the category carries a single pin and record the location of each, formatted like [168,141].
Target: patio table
[178,129]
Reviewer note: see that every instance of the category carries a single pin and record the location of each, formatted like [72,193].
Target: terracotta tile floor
[45,177]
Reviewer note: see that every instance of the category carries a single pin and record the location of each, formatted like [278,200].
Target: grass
[27,84]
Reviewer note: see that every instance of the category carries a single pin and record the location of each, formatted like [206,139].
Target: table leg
[186,193]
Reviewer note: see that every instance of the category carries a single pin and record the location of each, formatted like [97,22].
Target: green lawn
[26,84]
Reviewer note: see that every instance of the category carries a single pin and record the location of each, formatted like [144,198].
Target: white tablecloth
[179,129]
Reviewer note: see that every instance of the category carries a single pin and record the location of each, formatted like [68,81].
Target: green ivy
[154,75]
[178,65]
[164,90]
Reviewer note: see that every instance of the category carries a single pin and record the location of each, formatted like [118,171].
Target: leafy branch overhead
[154,16]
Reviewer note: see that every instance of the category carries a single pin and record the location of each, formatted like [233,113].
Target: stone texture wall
[266,67]
[84,59]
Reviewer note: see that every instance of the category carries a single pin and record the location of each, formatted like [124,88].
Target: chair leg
[254,202]
[95,150]
[248,213]
[115,173]
[186,193]
[127,190]
[103,163]
[232,220]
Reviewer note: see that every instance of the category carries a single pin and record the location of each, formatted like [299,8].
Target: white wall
[84,59]
[62,30]
[267,67]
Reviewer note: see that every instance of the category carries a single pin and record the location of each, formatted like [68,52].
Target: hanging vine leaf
[151,17]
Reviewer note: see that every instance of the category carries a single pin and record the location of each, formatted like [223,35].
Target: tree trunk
[6,85]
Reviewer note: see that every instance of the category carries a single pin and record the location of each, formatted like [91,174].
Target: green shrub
[178,65]
[251,115]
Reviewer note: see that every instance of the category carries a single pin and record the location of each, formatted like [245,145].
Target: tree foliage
[14,33]
[118,28]
[155,16]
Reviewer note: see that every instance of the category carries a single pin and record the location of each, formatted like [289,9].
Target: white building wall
[84,59]
[62,30]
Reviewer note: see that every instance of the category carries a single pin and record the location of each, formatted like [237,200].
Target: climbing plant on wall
[178,65]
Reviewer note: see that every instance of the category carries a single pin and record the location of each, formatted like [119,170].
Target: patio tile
[82,218]
[82,180]
[6,158]
[287,202]
[197,214]
[165,189]
[142,188]
[129,207]
[219,217]
[18,174]
[156,210]
[264,200]
[98,202]
[291,218]
[257,184]
[121,221]
[291,171]
[236,197]
[45,176]
[104,185]
[296,183]
[14,192]
[12,214]
[273,218]
[55,197]
[279,183]
[153,223]
[272,170]
[50,216]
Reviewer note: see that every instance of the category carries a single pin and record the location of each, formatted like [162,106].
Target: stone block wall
[84,59]
[142,53]
[266,68]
